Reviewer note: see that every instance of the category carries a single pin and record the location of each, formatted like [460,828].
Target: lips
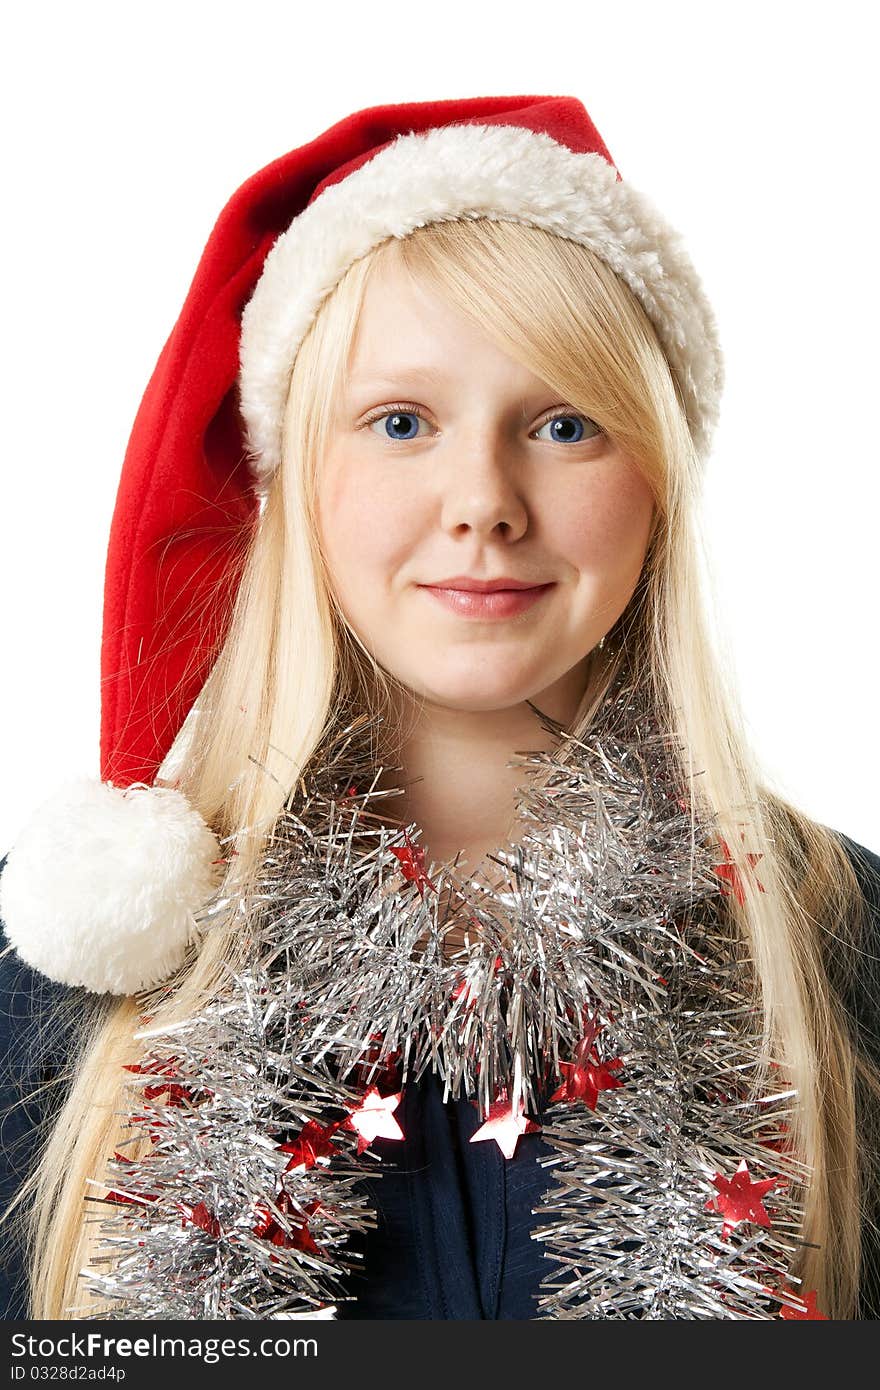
[484,603]
[484,586]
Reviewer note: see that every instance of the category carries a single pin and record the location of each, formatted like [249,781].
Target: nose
[482,488]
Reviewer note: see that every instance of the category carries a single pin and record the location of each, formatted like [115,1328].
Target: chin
[477,696]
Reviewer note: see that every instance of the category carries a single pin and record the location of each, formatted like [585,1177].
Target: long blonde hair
[289,665]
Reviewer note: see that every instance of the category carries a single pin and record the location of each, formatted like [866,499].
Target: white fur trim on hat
[503,172]
[101,886]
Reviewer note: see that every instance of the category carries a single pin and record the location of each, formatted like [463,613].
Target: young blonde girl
[289,663]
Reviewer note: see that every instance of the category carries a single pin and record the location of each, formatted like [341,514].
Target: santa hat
[101,886]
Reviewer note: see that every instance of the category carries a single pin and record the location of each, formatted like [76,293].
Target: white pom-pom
[101,885]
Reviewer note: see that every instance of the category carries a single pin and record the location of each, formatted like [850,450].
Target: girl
[413,489]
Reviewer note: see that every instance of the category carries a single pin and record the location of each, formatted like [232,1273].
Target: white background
[754,129]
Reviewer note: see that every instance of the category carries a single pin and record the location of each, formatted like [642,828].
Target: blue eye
[567,429]
[399,424]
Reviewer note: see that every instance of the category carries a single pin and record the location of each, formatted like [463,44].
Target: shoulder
[39,1022]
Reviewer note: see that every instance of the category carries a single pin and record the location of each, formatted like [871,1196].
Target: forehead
[409,335]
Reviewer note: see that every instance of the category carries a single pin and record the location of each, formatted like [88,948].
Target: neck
[458,788]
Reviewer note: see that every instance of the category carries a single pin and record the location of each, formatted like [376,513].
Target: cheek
[603,529]
[366,531]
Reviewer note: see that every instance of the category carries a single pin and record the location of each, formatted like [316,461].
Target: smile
[500,603]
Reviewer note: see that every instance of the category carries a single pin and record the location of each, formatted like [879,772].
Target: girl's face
[448,459]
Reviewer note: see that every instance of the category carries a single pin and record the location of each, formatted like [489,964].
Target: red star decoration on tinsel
[740,1199]
[504,1126]
[587,1075]
[780,1140]
[121,1198]
[730,872]
[412,865]
[200,1215]
[313,1142]
[806,1311]
[124,1198]
[389,1067]
[177,1093]
[373,1118]
[299,1237]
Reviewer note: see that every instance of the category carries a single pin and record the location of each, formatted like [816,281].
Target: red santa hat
[101,886]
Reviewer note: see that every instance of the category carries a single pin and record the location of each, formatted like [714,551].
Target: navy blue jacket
[454,1218]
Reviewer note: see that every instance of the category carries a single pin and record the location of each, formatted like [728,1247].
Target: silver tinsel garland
[600,976]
